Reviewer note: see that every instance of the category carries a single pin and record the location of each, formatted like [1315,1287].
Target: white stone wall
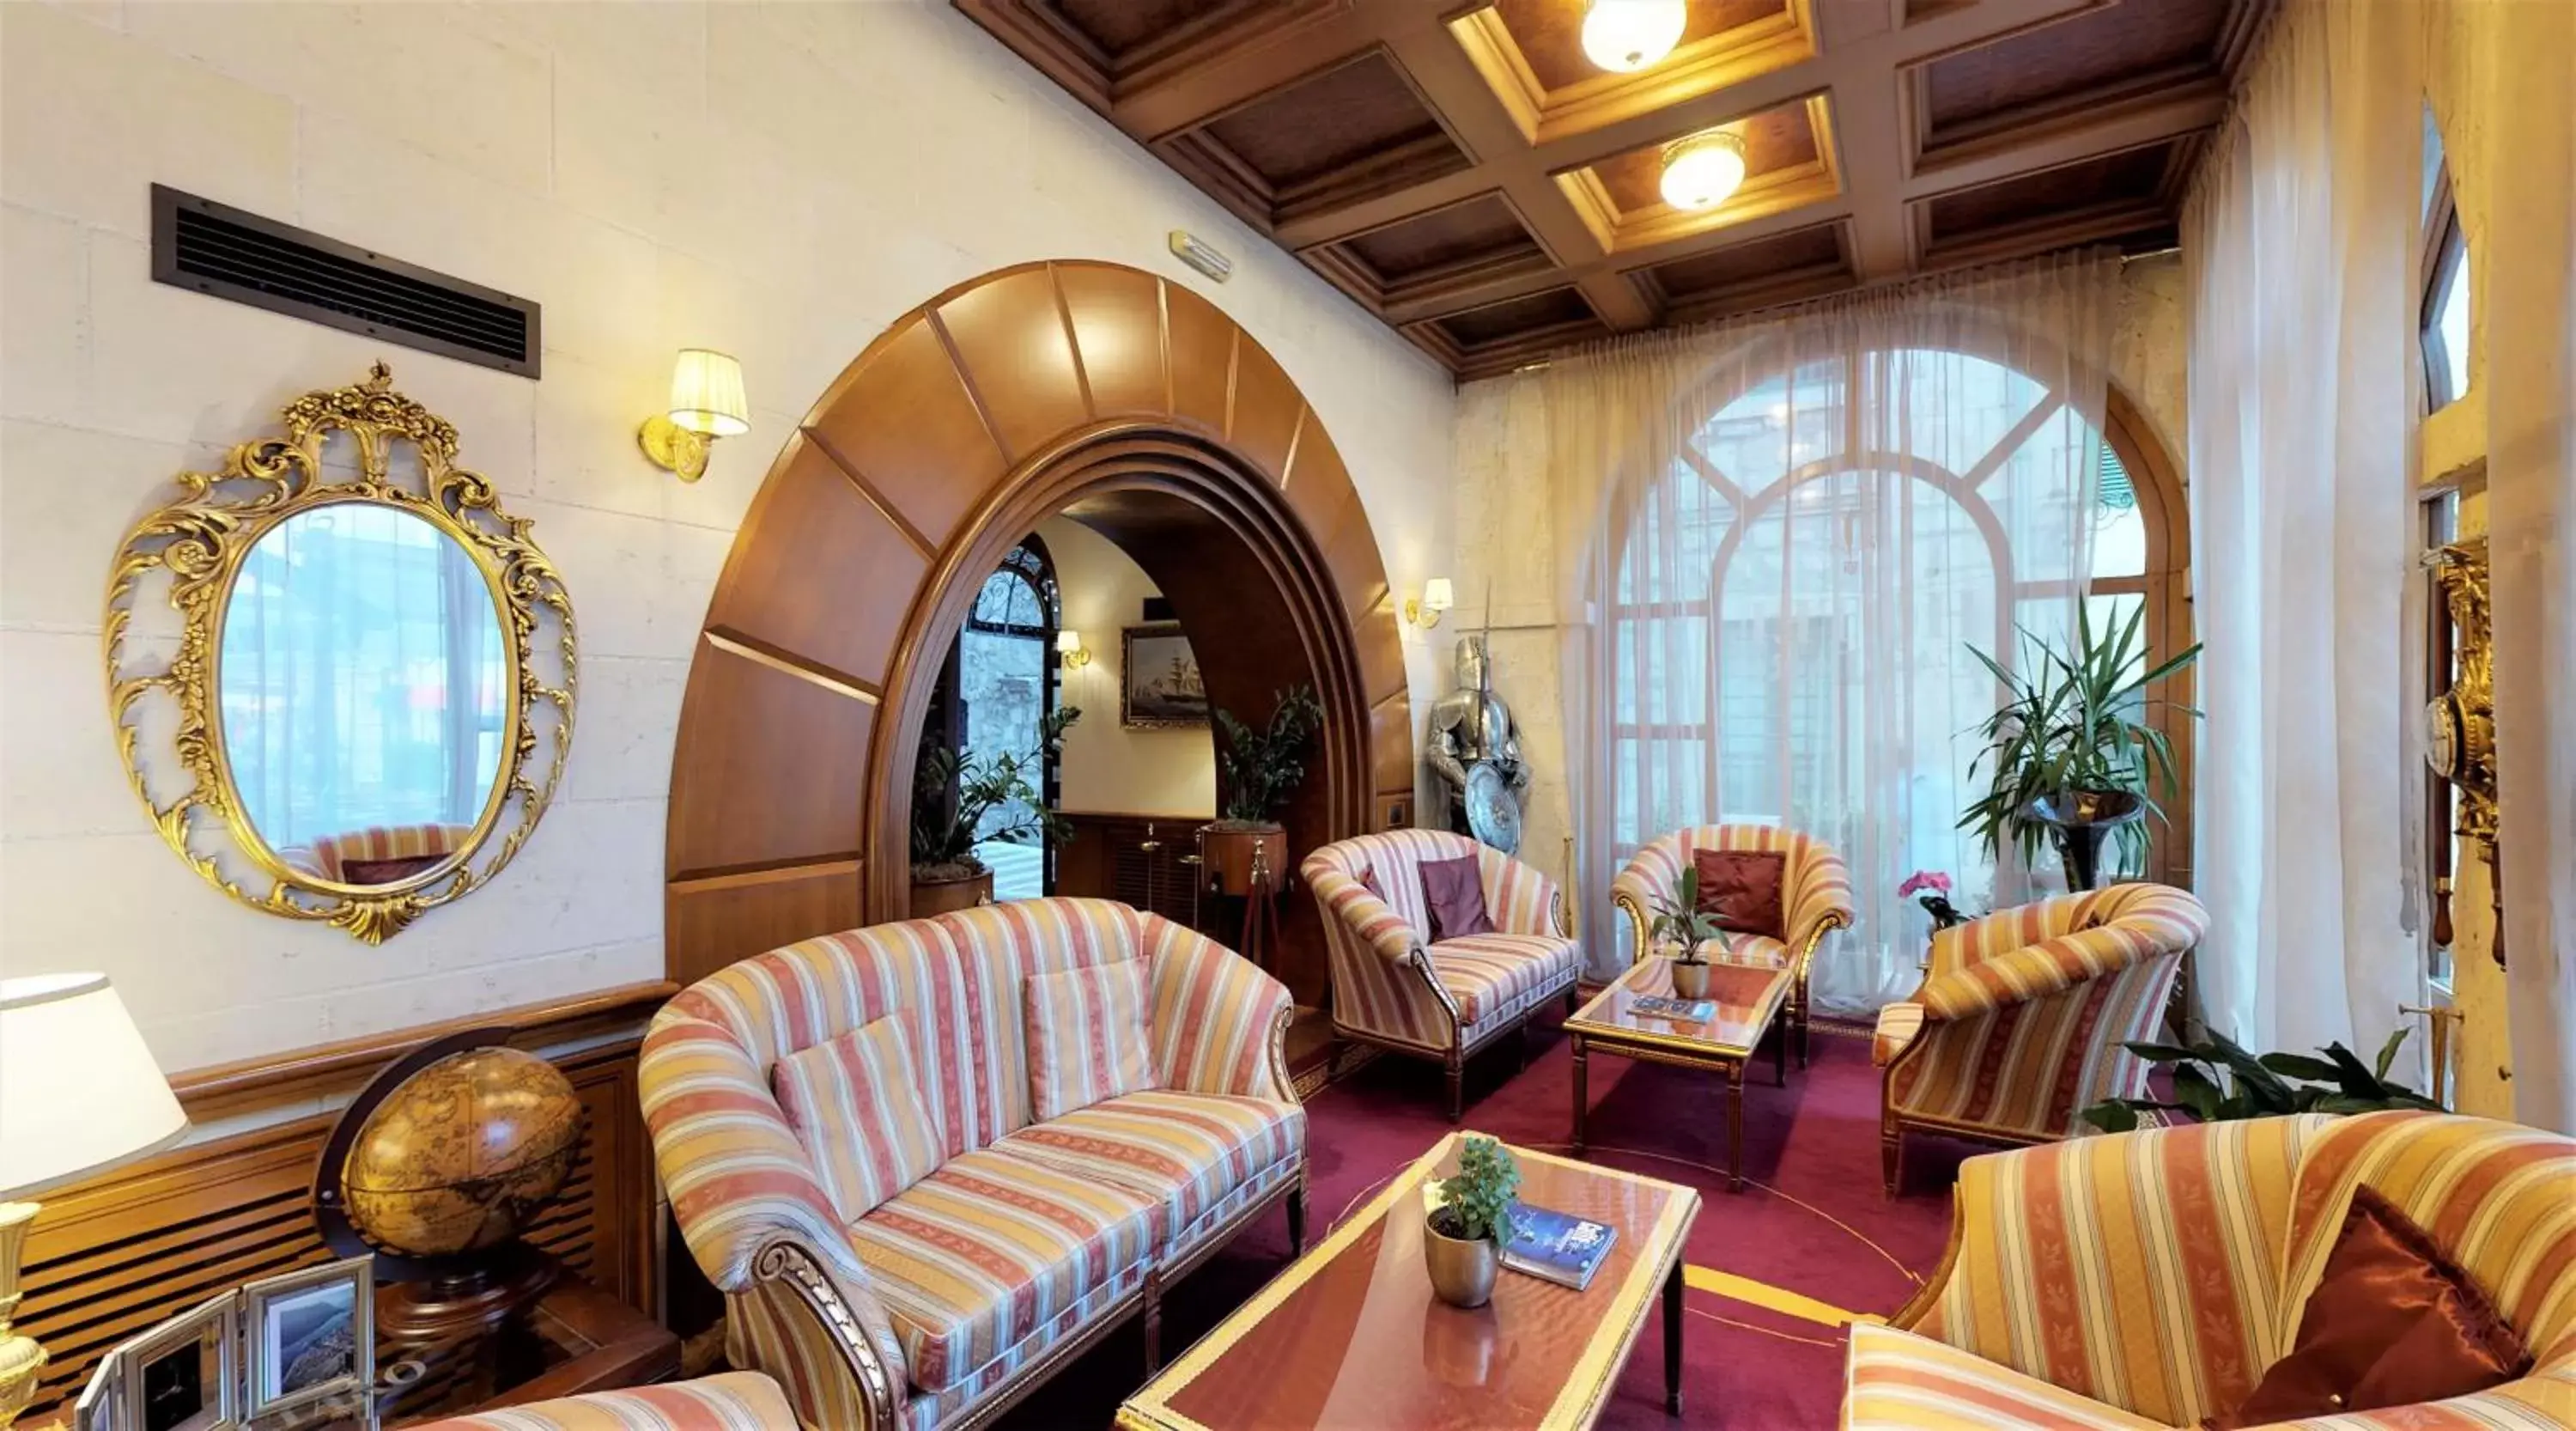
[1107,768]
[775,180]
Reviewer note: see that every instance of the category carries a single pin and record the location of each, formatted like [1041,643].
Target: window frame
[2443,260]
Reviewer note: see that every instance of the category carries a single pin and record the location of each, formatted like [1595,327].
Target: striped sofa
[734,1401]
[1394,988]
[2019,1022]
[2150,1279]
[948,1303]
[1815,900]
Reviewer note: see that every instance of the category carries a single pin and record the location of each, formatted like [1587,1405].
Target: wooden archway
[1031,390]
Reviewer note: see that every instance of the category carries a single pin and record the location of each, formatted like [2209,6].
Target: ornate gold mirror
[342,676]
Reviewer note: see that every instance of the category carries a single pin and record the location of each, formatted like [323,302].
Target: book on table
[1556,1246]
[1655,1006]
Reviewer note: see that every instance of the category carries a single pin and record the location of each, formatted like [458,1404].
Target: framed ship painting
[1158,679]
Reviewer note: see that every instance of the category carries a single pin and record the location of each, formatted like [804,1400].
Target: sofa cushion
[1491,975]
[993,1248]
[855,1103]
[1453,892]
[1741,889]
[1191,1150]
[727,1401]
[1761,951]
[1088,1037]
[1895,1378]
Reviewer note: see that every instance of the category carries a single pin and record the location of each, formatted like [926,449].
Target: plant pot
[1462,1269]
[1690,981]
[1230,850]
[2079,821]
[946,896]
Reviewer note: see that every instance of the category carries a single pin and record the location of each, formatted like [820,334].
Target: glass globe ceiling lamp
[1700,171]
[1627,35]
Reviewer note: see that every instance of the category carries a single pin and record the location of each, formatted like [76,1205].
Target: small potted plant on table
[1262,768]
[952,792]
[1679,930]
[1462,1242]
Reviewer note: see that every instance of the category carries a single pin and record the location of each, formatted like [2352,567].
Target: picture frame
[101,1400]
[1158,679]
[310,1337]
[185,1374]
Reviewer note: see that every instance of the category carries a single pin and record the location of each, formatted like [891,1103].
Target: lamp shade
[78,1090]
[1068,641]
[1699,172]
[1438,594]
[1625,35]
[706,394]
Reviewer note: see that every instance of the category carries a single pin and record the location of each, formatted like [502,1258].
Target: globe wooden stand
[471,1302]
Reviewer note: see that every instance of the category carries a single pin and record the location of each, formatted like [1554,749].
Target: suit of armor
[1471,724]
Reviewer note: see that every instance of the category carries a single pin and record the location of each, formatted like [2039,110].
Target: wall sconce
[1437,596]
[1069,647]
[706,403]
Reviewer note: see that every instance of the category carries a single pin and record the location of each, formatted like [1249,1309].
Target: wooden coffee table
[1350,1335]
[1749,1000]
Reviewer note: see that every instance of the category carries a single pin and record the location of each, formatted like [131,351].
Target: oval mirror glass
[363,682]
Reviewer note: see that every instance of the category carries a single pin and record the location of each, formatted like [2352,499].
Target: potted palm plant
[1462,1243]
[952,792]
[1261,769]
[1679,928]
[2071,756]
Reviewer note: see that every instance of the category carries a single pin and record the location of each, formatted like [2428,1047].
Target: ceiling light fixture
[1626,35]
[1699,172]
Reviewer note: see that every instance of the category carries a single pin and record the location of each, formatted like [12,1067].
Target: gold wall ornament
[2460,723]
[199,545]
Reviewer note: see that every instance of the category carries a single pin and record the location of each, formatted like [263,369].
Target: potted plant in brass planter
[1679,930]
[952,792]
[1262,768]
[1462,1242]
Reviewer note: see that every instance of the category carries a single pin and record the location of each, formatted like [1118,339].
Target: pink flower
[1924,879]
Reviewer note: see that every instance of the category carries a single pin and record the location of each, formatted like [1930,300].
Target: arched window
[2443,319]
[1006,683]
[1796,601]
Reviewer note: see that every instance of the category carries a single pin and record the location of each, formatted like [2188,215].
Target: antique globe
[459,1156]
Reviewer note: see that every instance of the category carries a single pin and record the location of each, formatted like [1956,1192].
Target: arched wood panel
[1025,392]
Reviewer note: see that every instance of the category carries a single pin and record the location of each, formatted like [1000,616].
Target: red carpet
[1811,1220]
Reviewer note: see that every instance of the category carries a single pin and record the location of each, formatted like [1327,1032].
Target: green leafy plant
[953,792]
[1476,1201]
[2215,1081]
[2076,722]
[1679,918]
[1263,767]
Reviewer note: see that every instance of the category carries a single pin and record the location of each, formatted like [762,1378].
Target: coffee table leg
[1735,1128]
[1673,1339]
[1580,1097]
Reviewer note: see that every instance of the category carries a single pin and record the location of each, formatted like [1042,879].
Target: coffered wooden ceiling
[1466,174]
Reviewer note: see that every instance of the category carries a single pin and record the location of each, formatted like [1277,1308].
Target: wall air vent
[215,249]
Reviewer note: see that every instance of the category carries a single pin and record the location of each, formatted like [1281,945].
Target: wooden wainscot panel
[1117,316]
[771,763]
[1381,651]
[1149,861]
[819,517]
[1012,342]
[1202,348]
[1391,743]
[722,919]
[903,420]
[110,1257]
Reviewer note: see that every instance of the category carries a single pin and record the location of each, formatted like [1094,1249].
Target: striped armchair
[2019,1022]
[1815,900]
[953,1298]
[2152,1278]
[734,1401]
[1394,988]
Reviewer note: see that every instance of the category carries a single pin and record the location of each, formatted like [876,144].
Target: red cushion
[387,871]
[2392,1322]
[1741,890]
[1454,892]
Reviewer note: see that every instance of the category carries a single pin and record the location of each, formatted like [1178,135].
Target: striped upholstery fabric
[733,1401]
[330,855]
[1898,1379]
[1759,951]
[1815,891]
[740,1182]
[976,1258]
[2162,1272]
[1087,1037]
[1189,1150]
[2019,1025]
[1382,988]
[855,1103]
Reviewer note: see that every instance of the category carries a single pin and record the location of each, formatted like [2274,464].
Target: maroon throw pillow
[1454,892]
[387,871]
[2392,1322]
[1740,889]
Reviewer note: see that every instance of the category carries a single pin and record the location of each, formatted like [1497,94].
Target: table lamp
[79,1093]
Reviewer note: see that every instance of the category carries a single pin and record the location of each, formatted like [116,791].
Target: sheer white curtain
[2299,247]
[1789,530]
